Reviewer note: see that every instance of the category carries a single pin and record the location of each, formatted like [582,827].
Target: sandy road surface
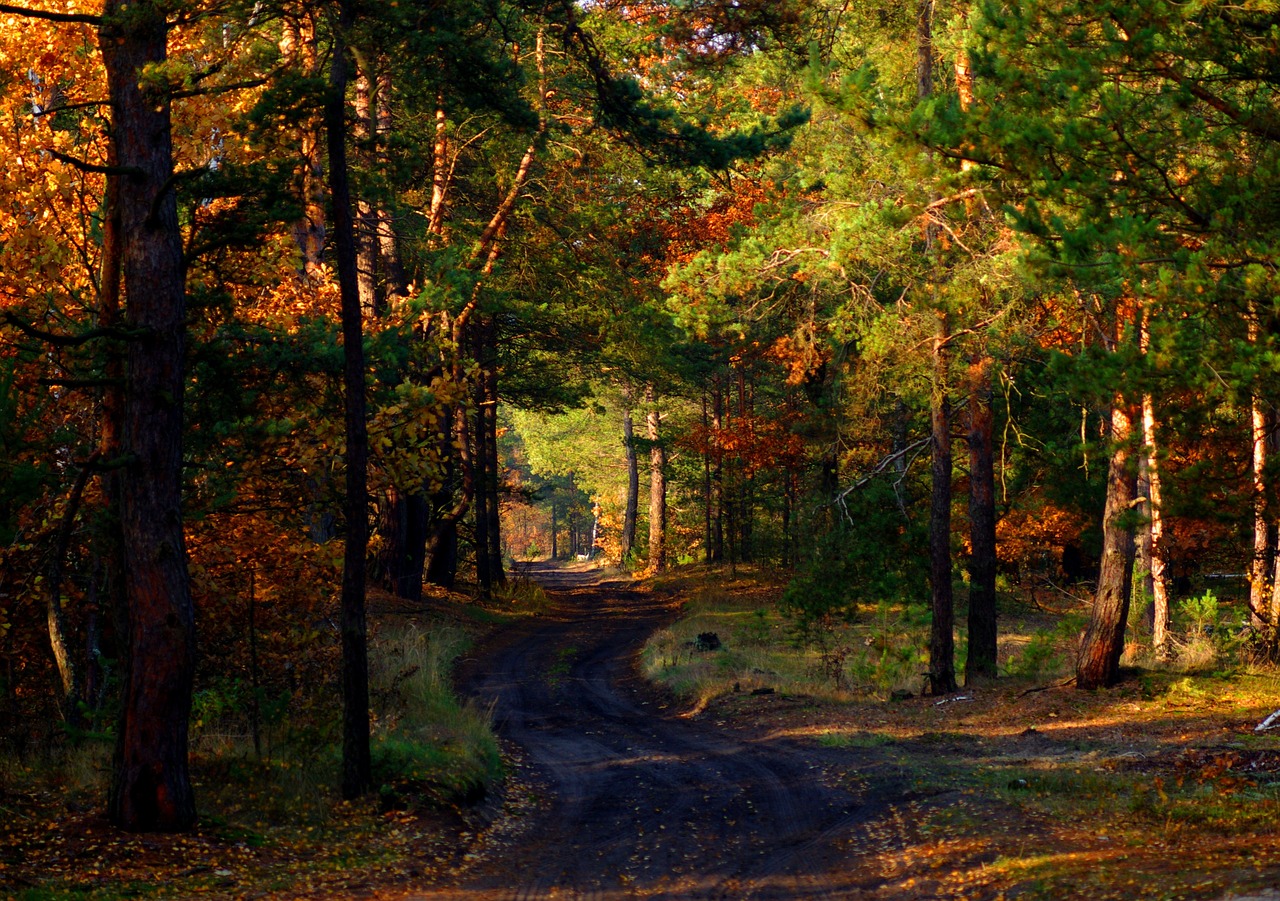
[636,801]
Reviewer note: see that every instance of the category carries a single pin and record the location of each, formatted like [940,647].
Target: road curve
[635,801]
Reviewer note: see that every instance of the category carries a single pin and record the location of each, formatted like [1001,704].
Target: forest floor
[617,788]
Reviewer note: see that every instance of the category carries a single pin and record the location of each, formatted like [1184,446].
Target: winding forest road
[634,800]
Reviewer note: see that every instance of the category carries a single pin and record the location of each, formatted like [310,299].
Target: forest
[314,306]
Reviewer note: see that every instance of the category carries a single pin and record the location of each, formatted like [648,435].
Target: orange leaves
[757,442]
[1024,534]
[693,232]
[800,359]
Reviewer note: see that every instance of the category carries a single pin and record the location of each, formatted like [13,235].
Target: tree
[152,788]
[657,484]
[357,769]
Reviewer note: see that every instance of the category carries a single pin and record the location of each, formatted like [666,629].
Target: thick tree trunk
[631,508]
[942,667]
[980,662]
[109,543]
[356,765]
[1099,661]
[151,790]
[657,488]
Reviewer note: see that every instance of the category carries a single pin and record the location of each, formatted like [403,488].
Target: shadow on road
[629,799]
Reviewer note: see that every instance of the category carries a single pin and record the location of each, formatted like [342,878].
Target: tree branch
[49,16]
[58,340]
[85,166]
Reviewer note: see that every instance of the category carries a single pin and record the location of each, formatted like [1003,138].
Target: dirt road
[630,799]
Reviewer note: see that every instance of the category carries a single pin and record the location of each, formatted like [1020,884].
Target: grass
[876,655]
[1158,787]
[273,818]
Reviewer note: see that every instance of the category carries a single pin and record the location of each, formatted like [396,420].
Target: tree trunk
[404,533]
[942,667]
[1099,662]
[397,281]
[110,541]
[298,46]
[151,790]
[451,503]
[480,470]
[1258,568]
[633,482]
[356,765]
[366,226]
[980,662]
[71,672]
[942,674]
[555,528]
[717,474]
[706,479]
[1153,531]
[493,466]
[657,488]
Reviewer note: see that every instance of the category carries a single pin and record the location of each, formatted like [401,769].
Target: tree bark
[657,487]
[493,466]
[706,478]
[298,45]
[1099,661]
[397,280]
[70,671]
[151,790]
[356,765]
[555,533]
[942,667]
[980,661]
[366,227]
[451,503]
[717,473]
[1153,532]
[942,674]
[480,469]
[1259,594]
[109,542]
[631,510]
